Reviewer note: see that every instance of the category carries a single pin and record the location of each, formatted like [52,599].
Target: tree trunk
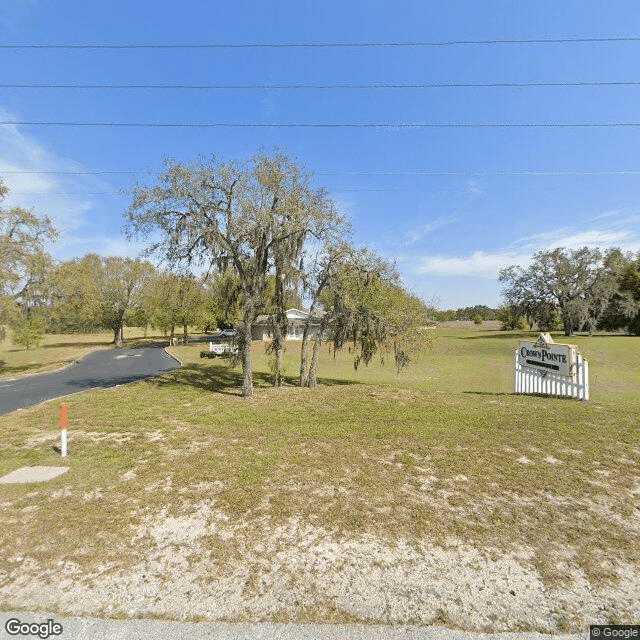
[247,365]
[568,324]
[313,369]
[279,328]
[567,320]
[185,335]
[304,351]
[279,359]
[277,349]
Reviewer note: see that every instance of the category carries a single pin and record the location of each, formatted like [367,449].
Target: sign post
[546,368]
[64,412]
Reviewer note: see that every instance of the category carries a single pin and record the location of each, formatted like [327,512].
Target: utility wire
[481,173]
[267,87]
[120,193]
[71,173]
[388,127]
[334,45]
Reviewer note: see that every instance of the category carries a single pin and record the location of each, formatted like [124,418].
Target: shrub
[27,332]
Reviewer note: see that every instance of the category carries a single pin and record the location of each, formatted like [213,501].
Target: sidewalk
[109,629]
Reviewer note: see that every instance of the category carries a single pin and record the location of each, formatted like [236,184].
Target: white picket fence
[533,381]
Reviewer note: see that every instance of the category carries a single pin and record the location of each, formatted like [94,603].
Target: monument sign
[546,368]
[546,355]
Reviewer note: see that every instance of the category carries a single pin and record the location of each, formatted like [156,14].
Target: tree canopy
[570,280]
[24,263]
[96,291]
[252,217]
[583,288]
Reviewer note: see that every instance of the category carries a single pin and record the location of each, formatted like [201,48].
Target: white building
[296,321]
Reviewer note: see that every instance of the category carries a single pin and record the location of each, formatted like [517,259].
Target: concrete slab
[33,474]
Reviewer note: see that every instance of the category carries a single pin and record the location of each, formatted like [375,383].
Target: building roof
[292,314]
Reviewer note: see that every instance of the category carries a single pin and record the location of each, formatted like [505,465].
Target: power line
[480,173]
[65,193]
[268,87]
[120,193]
[330,45]
[384,127]
[71,173]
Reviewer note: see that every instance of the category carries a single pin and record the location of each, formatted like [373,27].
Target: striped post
[64,412]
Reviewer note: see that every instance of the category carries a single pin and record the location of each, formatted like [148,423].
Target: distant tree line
[478,313]
[566,290]
[236,239]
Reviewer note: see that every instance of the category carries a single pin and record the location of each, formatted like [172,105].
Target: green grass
[443,450]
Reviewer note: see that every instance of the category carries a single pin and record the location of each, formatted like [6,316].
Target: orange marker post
[64,412]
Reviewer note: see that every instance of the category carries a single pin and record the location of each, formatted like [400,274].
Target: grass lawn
[442,451]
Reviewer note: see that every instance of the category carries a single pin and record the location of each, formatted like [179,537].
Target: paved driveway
[99,369]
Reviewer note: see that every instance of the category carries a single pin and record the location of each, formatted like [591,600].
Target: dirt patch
[203,565]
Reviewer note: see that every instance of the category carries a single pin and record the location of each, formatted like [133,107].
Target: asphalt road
[97,370]
[110,629]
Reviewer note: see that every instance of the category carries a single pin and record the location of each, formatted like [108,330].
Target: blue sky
[452,204]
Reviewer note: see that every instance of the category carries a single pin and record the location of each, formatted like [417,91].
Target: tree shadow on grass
[513,395]
[557,336]
[604,335]
[221,378]
[527,335]
[489,393]
[15,369]
[64,345]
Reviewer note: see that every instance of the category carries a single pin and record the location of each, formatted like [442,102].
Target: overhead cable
[330,45]
[481,173]
[380,126]
[297,87]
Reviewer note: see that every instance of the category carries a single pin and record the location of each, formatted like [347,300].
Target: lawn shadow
[513,395]
[11,370]
[605,335]
[489,393]
[557,336]
[507,335]
[222,378]
[62,345]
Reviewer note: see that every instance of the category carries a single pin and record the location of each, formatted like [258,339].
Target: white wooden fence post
[532,381]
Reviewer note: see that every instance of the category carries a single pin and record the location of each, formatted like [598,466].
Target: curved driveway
[99,369]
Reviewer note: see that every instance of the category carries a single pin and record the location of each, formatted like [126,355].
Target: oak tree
[24,263]
[215,215]
[573,281]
